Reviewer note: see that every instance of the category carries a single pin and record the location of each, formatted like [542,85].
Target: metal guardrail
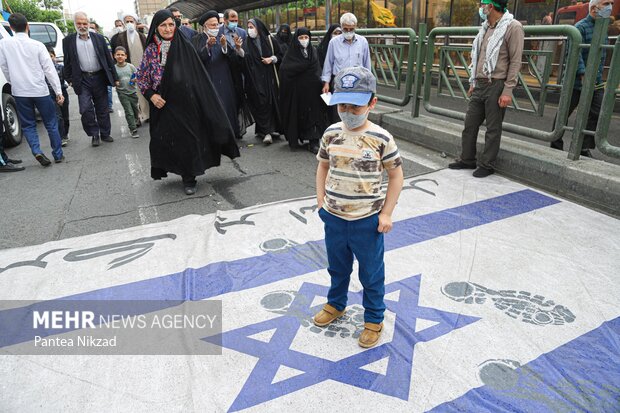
[413,55]
[573,54]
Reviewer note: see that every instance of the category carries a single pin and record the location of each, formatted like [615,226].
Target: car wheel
[12,125]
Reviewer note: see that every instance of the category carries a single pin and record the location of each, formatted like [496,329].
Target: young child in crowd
[62,111]
[127,90]
[356,213]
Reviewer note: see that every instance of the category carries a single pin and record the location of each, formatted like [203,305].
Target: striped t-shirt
[356,162]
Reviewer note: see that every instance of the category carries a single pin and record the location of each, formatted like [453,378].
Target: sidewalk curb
[589,182]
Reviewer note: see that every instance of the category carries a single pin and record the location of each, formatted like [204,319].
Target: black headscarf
[294,62]
[282,37]
[208,15]
[322,47]
[191,132]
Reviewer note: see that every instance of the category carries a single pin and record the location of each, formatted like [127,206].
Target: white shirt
[26,63]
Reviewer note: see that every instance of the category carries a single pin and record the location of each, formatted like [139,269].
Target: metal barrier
[400,52]
[570,32]
[587,91]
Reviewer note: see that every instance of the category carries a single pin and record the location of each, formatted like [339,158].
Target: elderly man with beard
[89,69]
[134,43]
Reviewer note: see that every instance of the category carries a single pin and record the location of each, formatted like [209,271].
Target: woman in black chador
[189,127]
[262,52]
[303,110]
[333,31]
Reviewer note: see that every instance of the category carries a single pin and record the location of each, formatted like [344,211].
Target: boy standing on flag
[355,211]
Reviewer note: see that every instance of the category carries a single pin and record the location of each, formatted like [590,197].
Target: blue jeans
[110,97]
[360,238]
[47,108]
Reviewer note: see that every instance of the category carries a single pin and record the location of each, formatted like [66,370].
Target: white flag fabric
[499,298]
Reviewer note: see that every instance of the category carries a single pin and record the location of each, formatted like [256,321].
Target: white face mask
[252,33]
[304,43]
[130,27]
[212,32]
[349,35]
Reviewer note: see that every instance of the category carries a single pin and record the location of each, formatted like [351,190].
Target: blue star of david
[396,382]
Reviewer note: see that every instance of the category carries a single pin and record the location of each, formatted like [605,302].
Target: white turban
[132,15]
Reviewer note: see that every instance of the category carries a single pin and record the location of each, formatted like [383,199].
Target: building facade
[409,13]
[149,7]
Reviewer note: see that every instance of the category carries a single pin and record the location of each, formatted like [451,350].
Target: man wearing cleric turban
[135,43]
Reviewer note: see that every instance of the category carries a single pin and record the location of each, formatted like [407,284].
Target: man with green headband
[496,61]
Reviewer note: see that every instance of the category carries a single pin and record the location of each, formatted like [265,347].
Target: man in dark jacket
[187,31]
[89,68]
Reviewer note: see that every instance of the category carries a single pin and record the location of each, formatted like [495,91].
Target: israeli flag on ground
[499,298]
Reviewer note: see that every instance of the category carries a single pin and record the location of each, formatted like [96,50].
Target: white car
[12,126]
[47,33]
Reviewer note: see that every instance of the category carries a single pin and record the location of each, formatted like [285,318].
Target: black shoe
[483,172]
[111,110]
[64,142]
[14,161]
[190,190]
[134,133]
[9,167]
[59,160]
[461,165]
[107,139]
[586,153]
[43,159]
[557,144]
[138,123]
[314,147]
[96,141]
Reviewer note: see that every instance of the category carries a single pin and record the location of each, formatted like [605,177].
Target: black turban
[207,16]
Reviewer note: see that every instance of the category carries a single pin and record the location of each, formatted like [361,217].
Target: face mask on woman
[352,121]
[304,43]
[252,33]
[212,32]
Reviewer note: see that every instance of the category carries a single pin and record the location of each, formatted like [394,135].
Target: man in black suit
[187,31]
[89,68]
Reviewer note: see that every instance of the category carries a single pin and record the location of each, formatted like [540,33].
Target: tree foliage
[39,11]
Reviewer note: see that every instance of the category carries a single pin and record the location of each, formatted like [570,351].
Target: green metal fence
[405,61]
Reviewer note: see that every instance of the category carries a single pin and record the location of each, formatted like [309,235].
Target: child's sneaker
[327,315]
[134,133]
[64,142]
[371,334]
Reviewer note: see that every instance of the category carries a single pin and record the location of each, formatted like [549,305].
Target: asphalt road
[109,187]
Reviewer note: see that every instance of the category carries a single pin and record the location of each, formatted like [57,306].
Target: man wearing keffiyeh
[496,61]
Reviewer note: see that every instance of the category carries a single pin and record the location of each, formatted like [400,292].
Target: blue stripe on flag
[582,375]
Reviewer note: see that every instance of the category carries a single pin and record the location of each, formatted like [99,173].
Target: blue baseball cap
[354,86]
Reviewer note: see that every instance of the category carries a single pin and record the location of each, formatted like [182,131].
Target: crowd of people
[274,82]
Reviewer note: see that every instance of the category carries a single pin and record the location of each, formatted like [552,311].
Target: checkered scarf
[492,52]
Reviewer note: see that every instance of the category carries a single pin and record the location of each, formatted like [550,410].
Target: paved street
[109,187]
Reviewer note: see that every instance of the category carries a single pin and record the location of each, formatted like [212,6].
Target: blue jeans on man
[47,108]
[93,102]
[360,238]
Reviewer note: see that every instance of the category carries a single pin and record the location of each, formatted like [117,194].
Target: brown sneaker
[327,315]
[370,335]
